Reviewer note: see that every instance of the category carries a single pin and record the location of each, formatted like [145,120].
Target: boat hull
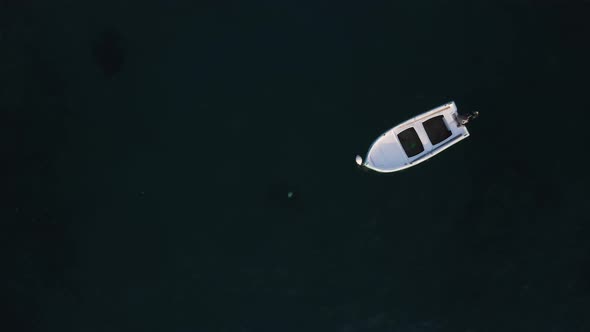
[416,140]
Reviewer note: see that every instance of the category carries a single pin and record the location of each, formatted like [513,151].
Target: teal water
[150,148]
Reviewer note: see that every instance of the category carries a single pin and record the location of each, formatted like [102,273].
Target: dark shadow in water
[109,52]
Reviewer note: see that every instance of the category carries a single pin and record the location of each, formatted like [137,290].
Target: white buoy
[290,194]
[359,160]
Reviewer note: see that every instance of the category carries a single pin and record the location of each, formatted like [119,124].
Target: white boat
[417,139]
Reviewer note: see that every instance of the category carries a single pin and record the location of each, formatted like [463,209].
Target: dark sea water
[149,149]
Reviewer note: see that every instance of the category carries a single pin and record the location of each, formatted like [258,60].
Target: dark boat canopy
[436,129]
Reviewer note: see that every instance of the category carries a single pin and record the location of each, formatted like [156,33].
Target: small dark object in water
[284,196]
[108,52]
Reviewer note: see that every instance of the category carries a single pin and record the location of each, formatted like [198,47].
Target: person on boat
[464,119]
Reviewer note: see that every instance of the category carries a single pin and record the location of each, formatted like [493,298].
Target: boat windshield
[410,142]
[436,129]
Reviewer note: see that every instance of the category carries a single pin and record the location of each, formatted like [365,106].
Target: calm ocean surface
[150,148]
